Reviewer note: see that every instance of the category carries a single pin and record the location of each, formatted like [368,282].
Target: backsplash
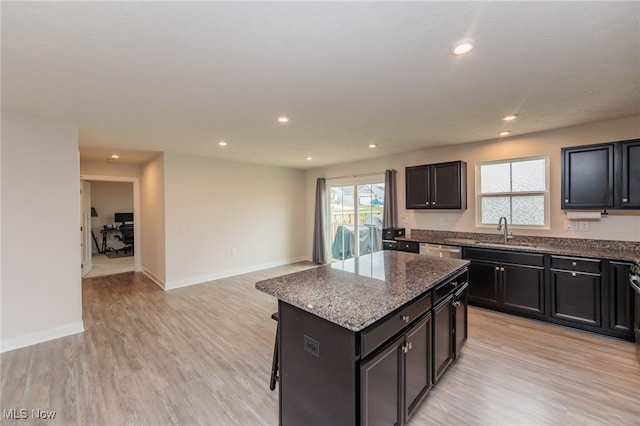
[427,234]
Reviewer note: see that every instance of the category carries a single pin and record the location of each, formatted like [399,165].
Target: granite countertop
[357,292]
[600,249]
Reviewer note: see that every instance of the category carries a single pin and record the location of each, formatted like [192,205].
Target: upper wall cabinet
[437,186]
[630,187]
[602,176]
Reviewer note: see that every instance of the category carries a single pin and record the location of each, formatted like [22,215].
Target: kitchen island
[363,340]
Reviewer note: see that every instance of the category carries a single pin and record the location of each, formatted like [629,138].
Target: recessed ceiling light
[372,145]
[510,117]
[462,47]
[115,156]
[283,119]
[309,158]
[222,143]
[505,133]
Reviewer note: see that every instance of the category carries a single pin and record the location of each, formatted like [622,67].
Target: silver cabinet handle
[566,200]
[625,200]
[574,263]
[497,268]
[573,274]
[405,318]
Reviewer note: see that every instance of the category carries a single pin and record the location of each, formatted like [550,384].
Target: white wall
[152,220]
[617,226]
[41,277]
[109,198]
[225,218]
[110,168]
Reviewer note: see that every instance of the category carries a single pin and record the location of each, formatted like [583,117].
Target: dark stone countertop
[599,249]
[357,292]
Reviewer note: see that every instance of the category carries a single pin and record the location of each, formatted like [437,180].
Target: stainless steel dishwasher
[441,250]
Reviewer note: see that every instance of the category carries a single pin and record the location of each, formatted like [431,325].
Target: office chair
[126,236]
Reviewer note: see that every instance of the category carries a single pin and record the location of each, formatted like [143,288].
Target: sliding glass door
[355,216]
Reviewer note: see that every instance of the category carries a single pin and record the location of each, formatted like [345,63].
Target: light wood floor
[103,265]
[202,355]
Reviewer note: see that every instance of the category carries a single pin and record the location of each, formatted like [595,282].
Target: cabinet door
[381,395]
[630,174]
[460,323]
[587,176]
[417,187]
[523,289]
[621,298]
[417,365]
[575,297]
[442,337]
[448,185]
[483,283]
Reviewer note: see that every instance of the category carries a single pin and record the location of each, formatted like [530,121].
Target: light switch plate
[570,225]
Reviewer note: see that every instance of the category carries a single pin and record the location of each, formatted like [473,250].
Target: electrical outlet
[404,219]
[570,225]
[583,226]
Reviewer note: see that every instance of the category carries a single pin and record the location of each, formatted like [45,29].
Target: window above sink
[517,189]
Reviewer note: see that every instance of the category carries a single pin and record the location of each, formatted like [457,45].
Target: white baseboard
[159,282]
[228,273]
[41,336]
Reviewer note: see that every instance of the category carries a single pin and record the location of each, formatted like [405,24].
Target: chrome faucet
[506,231]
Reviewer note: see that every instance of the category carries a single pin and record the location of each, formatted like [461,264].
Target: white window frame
[545,193]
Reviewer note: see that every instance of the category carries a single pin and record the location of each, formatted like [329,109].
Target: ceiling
[145,77]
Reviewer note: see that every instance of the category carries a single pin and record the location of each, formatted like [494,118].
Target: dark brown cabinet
[621,298]
[630,167]
[449,324]
[396,380]
[601,176]
[576,289]
[587,177]
[460,306]
[442,337]
[585,293]
[381,392]
[417,374]
[508,281]
[436,186]
[410,246]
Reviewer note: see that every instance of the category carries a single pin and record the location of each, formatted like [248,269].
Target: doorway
[114,225]
[355,216]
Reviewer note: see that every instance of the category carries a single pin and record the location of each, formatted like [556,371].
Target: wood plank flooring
[202,355]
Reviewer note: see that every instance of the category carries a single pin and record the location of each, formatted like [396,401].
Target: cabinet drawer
[504,256]
[578,264]
[383,330]
[449,287]
[411,246]
[390,245]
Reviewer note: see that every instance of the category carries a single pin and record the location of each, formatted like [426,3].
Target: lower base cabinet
[585,293]
[621,299]
[330,375]
[442,337]
[396,380]
[513,282]
[575,297]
